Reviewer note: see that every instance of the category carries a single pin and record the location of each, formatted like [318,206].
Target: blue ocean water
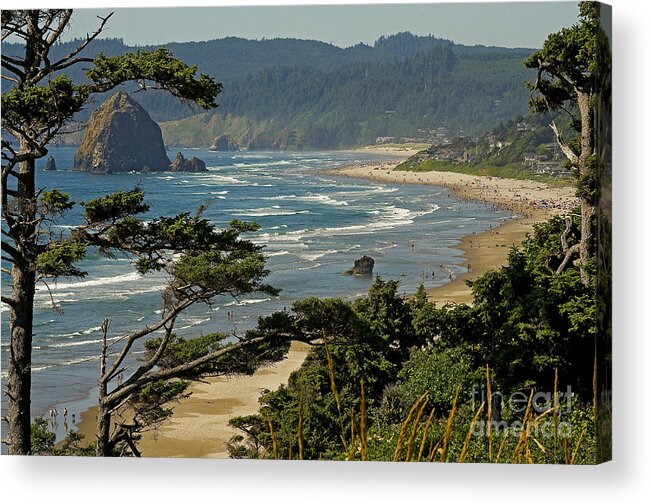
[313,226]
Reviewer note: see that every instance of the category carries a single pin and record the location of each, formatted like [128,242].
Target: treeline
[357,103]
[310,94]
[404,379]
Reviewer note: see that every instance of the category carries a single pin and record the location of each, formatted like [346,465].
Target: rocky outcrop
[194,164]
[363,266]
[121,137]
[51,164]
[224,144]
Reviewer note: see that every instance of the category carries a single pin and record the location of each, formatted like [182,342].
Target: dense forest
[307,94]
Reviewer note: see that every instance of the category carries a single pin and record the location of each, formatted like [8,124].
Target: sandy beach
[402,151]
[529,200]
[199,426]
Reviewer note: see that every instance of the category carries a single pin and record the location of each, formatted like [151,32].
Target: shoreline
[199,427]
[489,249]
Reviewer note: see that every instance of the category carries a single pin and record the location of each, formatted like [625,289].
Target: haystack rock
[51,164]
[194,164]
[223,144]
[363,266]
[121,137]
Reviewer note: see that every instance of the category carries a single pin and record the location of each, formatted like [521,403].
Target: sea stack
[194,164]
[121,137]
[50,165]
[363,267]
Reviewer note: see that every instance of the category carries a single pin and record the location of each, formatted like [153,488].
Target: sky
[508,24]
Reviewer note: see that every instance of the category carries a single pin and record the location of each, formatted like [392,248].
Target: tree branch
[159,351]
[67,60]
[569,153]
[13,69]
[177,371]
[571,252]
[8,301]
[133,337]
[16,256]
[10,79]
[565,234]
[56,33]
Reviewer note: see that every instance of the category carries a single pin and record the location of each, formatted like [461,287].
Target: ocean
[313,227]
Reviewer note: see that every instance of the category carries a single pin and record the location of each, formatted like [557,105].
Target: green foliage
[439,373]
[217,272]
[149,403]
[43,441]
[526,321]
[574,58]
[74,445]
[43,107]
[59,259]
[388,316]
[42,438]
[111,208]
[425,317]
[158,66]
[55,202]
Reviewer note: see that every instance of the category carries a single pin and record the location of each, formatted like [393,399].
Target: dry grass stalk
[353,434]
[414,430]
[466,442]
[274,441]
[539,445]
[501,448]
[433,451]
[489,414]
[423,441]
[331,372]
[576,448]
[363,427]
[524,434]
[333,387]
[448,427]
[405,424]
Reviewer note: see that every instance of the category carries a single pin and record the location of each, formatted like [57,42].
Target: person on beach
[65,412]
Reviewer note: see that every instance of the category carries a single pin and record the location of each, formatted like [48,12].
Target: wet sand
[199,426]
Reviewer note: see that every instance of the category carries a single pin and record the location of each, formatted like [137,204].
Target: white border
[624,480]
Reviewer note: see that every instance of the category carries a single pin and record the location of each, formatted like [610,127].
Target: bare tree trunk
[586,169]
[103,446]
[19,380]
[19,376]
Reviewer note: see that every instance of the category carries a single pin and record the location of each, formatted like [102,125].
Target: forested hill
[307,94]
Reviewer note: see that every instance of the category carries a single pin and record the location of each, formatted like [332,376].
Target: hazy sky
[509,24]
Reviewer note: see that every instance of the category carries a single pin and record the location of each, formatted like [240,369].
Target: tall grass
[424,437]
